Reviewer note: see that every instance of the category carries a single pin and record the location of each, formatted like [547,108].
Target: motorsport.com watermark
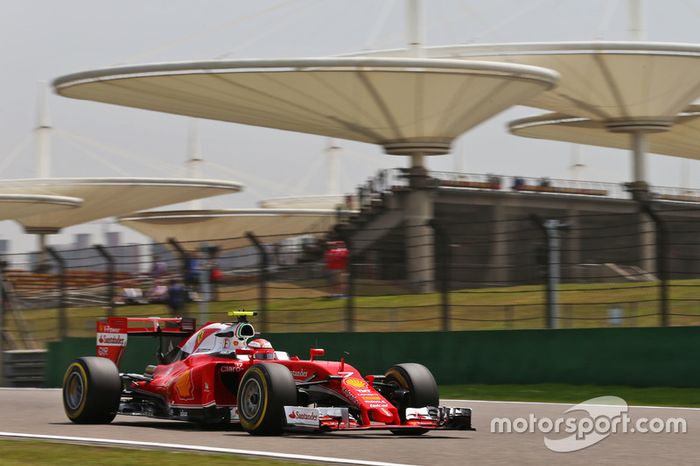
[596,420]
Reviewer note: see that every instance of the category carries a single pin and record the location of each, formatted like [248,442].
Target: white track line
[30,389]
[197,448]
[562,404]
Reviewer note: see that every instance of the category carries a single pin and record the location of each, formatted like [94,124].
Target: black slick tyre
[91,391]
[264,391]
[422,390]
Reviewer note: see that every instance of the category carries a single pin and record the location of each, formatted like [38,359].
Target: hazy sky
[43,39]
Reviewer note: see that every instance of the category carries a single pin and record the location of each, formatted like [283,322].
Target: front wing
[331,419]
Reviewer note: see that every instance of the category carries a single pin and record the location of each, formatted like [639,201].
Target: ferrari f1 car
[223,373]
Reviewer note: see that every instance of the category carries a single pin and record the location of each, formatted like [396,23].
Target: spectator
[193,269]
[216,277]
[518,182]
[494,180]
[158,294]
[177,296]
[336,259]
[381,180]
[159,268]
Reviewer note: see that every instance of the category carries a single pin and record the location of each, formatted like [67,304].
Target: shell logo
[356,383]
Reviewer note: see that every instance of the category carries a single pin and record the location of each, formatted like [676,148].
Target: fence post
[350,291]
[205,282]
[182,253]
[110,277]
[263,264]
[442,242]
[552,229]
[661,258]
[62,318]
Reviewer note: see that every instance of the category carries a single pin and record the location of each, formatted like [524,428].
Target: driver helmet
[262,349]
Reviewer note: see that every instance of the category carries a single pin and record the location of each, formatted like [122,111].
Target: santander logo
[303,416]
[111,339]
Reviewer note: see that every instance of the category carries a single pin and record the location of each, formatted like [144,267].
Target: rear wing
[113,332]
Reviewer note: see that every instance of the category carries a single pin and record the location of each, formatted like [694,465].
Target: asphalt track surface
[41,412]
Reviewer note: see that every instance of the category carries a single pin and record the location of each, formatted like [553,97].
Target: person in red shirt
[336,258]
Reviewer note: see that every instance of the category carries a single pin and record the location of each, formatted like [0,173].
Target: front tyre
[91,391]
[263,393]
[415,387]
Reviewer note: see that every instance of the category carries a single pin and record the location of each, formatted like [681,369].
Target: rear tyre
[91,391]
[263,393]
[418,385]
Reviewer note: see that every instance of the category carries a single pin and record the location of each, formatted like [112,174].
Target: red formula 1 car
[222,373]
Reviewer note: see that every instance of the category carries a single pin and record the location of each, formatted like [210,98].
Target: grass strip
[31,452]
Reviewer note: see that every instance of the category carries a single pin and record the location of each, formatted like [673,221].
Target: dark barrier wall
[633,356]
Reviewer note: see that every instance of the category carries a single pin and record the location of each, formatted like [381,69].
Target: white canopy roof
[683,140]
[14,206]
[406,105]
[606,81]
[227,228]
[108,197]
[322,201]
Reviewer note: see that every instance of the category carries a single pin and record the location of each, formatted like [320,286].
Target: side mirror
[316,353]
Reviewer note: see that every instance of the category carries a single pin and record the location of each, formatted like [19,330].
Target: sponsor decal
[350,395]
[183,386]
[371,397]
[230,368]
[108,329]
[200,337]
[300,373]
[300,416]
[111,339]
[102,352]
[356,383]
[377,404]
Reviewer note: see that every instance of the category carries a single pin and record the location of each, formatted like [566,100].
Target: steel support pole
[205,283]
[111,277]
[414,27]
[263,272]
[661,261]
[350,285]
[182,253]
[554,271]
[43,134]
[442,267]
[552,231]
[639,151]
[62,304]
